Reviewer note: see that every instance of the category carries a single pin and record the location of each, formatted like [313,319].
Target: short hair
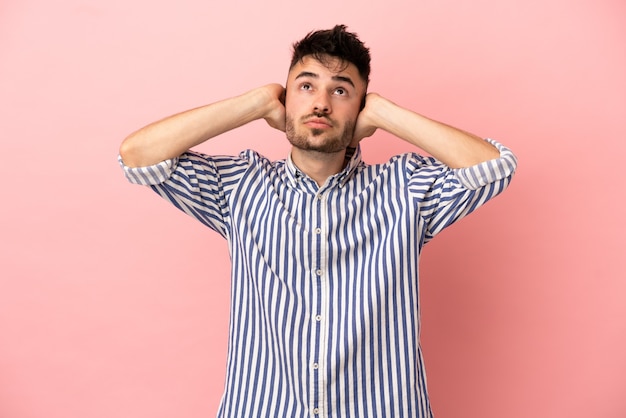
[336,43]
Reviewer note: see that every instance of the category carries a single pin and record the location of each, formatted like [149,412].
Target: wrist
[379,108]
[267,98]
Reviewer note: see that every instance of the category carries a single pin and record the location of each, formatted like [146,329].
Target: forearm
[170,137]
[450,145]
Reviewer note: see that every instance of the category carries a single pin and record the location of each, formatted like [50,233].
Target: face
[322,104]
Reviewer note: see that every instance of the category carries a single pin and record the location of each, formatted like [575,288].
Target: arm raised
[170,137]
[453,147]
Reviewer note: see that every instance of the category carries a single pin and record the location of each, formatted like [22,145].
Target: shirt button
[319,272]
[316,411]
[316,366]
[318,318]
[318,230]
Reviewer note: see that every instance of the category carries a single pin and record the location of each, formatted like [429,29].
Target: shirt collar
[295,175]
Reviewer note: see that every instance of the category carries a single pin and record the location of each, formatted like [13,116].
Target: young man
[324,248]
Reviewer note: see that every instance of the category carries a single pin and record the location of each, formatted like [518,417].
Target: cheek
[351,113]
[293,103]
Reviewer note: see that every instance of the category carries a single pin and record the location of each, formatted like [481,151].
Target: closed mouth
[318,122]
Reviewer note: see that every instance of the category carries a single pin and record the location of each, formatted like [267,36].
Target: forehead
[329,67]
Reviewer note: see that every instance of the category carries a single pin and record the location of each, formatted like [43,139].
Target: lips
[318,123]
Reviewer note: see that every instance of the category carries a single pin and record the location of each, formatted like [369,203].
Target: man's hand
[365,125]
[275,114]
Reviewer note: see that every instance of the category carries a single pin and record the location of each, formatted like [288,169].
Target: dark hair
[336,43]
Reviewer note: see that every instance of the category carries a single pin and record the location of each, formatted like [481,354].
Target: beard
[301,139]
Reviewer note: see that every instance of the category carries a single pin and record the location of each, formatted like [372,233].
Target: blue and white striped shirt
[324,318]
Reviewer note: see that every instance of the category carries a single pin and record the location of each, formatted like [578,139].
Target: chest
[337,221]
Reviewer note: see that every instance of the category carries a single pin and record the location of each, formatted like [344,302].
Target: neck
[318,165]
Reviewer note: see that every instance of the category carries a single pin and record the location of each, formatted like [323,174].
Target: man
[324,248]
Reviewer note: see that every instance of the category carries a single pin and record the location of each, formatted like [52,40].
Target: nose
[321,104]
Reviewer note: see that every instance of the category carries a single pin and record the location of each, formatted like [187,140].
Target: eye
[340,91]
[305,86]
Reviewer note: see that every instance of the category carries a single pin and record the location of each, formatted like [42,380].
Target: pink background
[114,304]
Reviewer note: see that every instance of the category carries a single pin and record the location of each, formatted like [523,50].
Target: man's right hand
[275,115]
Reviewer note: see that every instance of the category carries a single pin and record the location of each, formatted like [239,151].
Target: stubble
[301,139]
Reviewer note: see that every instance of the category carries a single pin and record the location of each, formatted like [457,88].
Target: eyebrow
[335,77]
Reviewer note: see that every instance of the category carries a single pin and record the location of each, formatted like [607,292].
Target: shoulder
[407,163]
[258,161]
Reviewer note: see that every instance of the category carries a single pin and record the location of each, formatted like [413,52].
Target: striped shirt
[324,317]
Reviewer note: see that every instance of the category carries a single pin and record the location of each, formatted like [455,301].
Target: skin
[322,106]
[320,117]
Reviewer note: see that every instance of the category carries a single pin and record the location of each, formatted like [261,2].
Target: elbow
[492,152]
[125,152]
[128,152]
[487,152]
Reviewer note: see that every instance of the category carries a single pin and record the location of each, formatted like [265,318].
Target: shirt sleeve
[150,175]
[195,183]
[490,171]
[446,195]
